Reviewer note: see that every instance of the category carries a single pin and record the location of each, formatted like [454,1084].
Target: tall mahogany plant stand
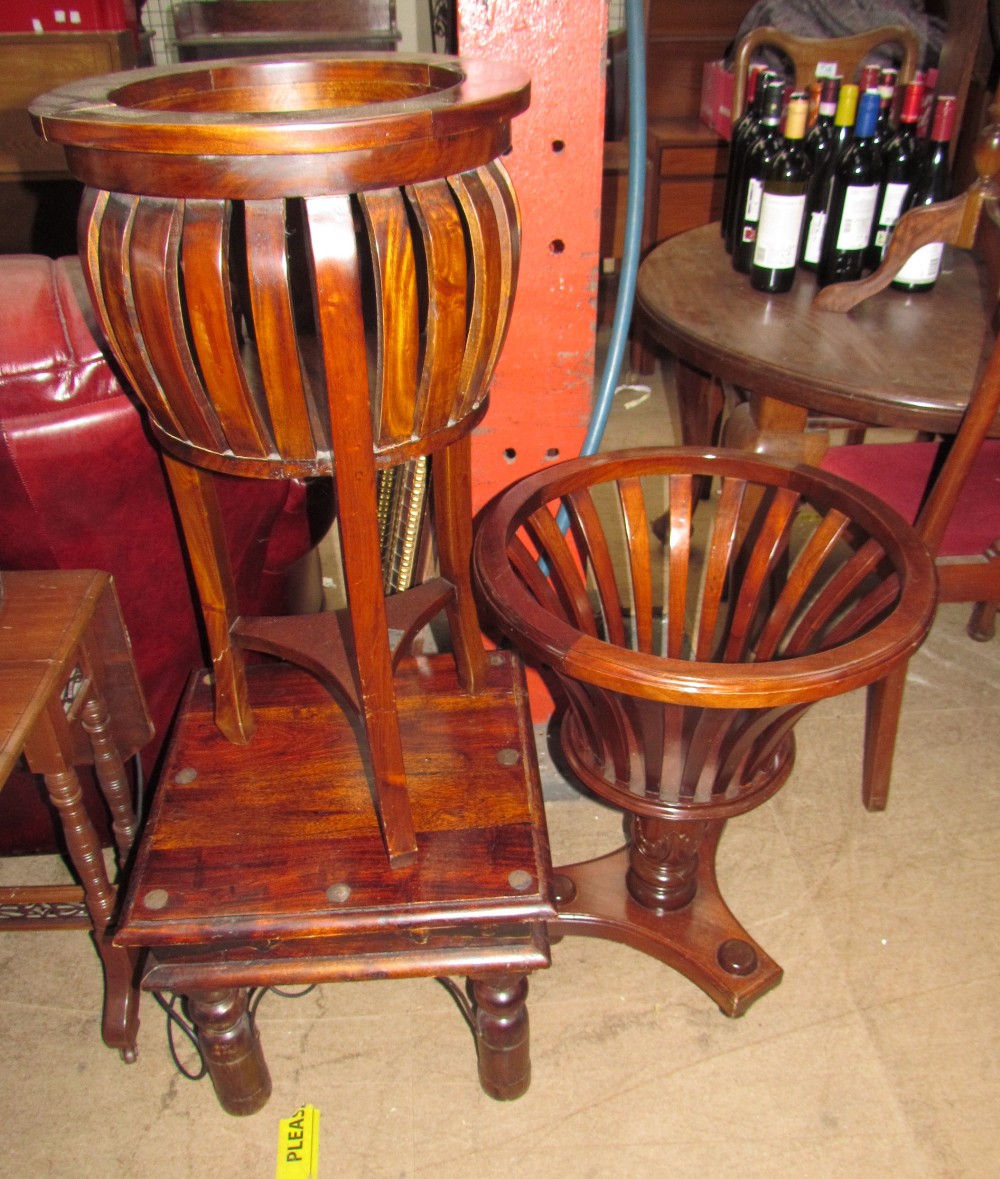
[306,268]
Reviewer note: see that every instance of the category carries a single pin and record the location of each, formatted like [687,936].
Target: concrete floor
[876,1056]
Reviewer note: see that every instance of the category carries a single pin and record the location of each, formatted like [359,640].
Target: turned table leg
[120,1023]
[502,1035]
[111,774]
[231,1049]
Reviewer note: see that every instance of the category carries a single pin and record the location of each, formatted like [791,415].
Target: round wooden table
[906,361]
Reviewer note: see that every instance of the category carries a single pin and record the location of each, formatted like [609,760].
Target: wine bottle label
[856,219]
[814,237]
[755,194]
[778,232]
[923,266]
[892,204]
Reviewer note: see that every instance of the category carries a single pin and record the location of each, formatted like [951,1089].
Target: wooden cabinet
[30,64]
[685,160]
[38,199]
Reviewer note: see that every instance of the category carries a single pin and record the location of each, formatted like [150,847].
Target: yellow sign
[298,1145]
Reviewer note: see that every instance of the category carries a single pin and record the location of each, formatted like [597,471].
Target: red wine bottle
[932,184]
[818,201]
[853,196]
[887,94]
[900,158]
[744,130]
[819,140]
[868,79]
[751,189]
[783,206]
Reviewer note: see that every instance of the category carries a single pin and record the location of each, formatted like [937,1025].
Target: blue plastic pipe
[636,56]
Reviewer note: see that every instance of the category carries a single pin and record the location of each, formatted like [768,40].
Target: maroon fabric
[898,473]
[82,487]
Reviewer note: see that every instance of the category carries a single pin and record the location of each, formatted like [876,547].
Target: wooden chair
[307,268]
[682,675]
[948,488]
[805,54]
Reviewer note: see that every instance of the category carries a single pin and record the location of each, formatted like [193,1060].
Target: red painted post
[542,391]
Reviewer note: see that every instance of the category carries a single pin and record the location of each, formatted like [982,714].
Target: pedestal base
[702,940]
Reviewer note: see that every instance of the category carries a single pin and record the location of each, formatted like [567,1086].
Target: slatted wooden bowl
[685,645]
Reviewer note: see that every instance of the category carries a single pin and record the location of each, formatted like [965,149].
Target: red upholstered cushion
[898,473]
[82,486]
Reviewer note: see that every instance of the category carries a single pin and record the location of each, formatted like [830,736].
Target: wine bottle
[900,158]
[853,196]
[765,147]
[932,184]
[743,137]
[819,138]
[783,206]
[818,201]
[868,79]
[887,93]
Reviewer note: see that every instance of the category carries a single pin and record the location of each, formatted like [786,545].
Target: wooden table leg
[502,1035]
[699,402]
[231,1049]
[767,426]
[111,774]
[120,1022]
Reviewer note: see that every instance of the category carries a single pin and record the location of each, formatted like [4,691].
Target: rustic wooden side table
[69,696]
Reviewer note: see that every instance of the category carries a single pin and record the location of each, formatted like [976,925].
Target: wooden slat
[831,600]
[487,268]
[863,613]
[636,522]
[816,550]
[208,298]
[679,540]
[398,314]
[274,329]
[437,216]
[154,275]
[107,236]
[770,541]
[564,570]
[705,750]
[500,191]
[586,525]
[720,552]
[525,563]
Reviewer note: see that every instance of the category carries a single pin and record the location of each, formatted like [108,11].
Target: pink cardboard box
[716,109]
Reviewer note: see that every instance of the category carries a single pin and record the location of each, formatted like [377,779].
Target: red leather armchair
[82,486]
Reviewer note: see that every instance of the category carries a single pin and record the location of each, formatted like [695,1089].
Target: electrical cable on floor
[176,1020]
[462,1001]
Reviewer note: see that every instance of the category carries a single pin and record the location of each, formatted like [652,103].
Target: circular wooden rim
[804,678]
[154,110]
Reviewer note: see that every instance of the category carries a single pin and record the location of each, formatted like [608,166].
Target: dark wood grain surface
[901,360]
